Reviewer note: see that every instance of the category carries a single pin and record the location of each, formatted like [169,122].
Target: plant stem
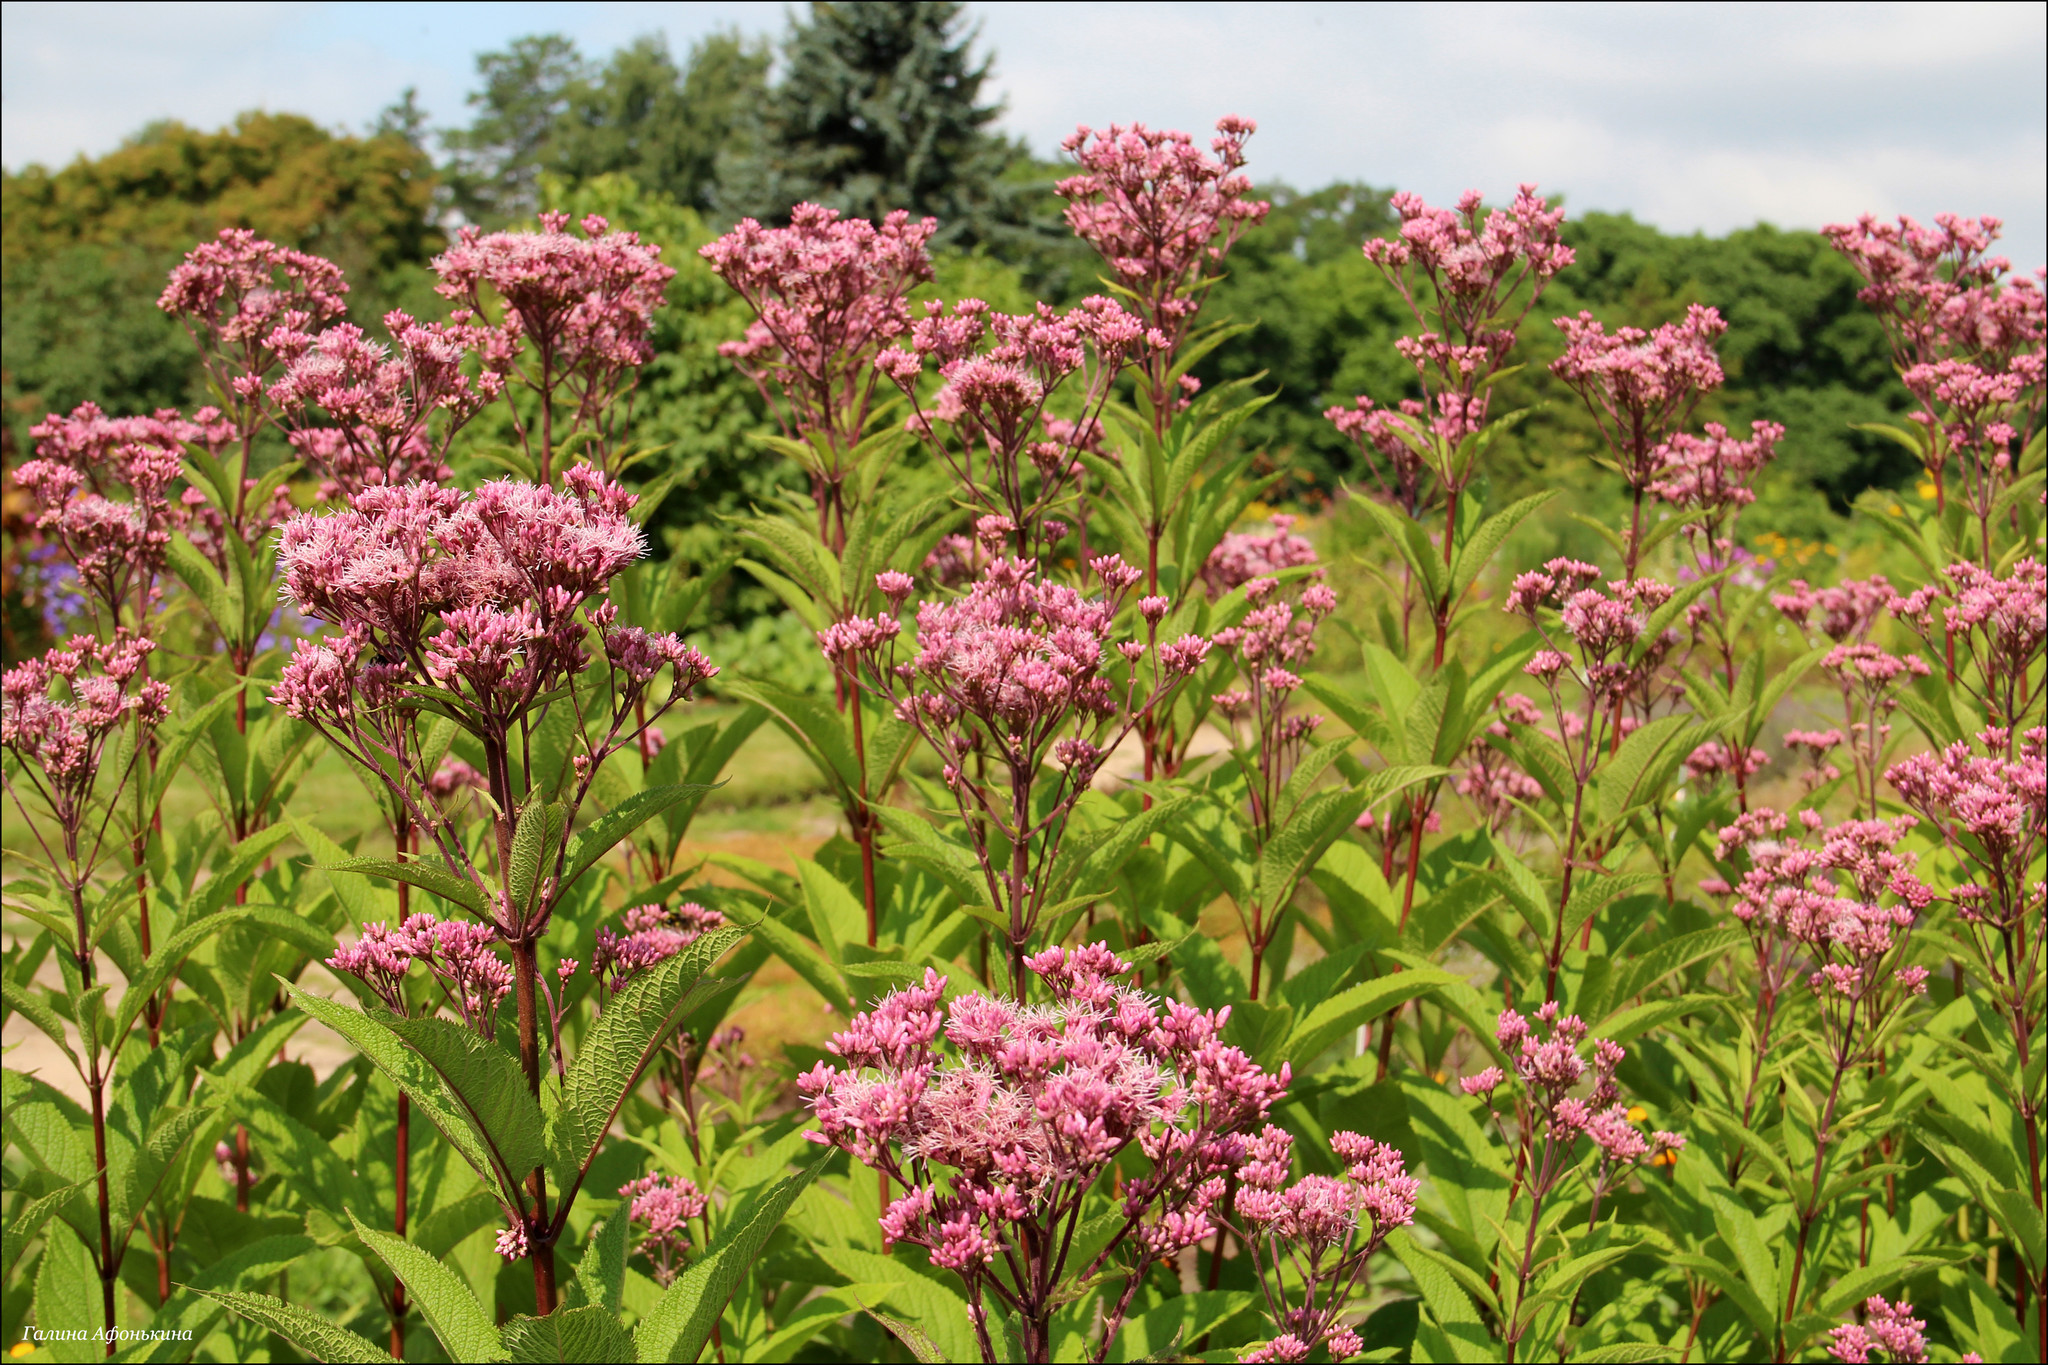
[402,1168]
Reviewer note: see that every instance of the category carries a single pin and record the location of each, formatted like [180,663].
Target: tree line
[866,106]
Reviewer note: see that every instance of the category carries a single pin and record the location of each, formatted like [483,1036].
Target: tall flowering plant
[489,611]
[1022,688]
[1967,341]
[1000,1132]
[565,318]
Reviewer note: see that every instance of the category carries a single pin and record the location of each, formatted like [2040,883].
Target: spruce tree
[880,106]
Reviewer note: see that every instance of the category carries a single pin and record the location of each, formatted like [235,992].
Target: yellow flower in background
[1637,1113]
[1925,488]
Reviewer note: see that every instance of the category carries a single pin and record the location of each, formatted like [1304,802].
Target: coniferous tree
[880,107]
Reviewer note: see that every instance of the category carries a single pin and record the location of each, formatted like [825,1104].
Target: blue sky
[1691,117]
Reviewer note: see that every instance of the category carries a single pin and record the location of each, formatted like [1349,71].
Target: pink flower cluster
[1270,649]
[1849,903]
[662,1206]
[60,710]
[506,569]
[1390,441]
[1992,812]
[1459,275]
[1161,212]
[1242,556]
[1715,759]
[2000,624]
[1713,473]
[1606,628]
[1018,658]
[585,303]
[380,400]
[1966,339]
[1549,1118]
[233,292]
[1639,385]
[1310,1232]
[654,933]
[1889,1332]
[460,956]
[118,543]
[1000,370]
[827,293]
[997,1144]
[1844,612]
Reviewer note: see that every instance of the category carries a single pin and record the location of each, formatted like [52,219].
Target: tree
[664,127]
[494,165]
[84,250]
[879,109]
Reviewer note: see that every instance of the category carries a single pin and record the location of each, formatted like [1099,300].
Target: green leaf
[67,1293]
[465,1329]
[604,833]
[241,863]
[1730,1282]
[1485,541]
[1345,1011]
[589,1334]
[812,722]
[914,1338]
[197,573]
[410,1072]
[924,1301]
[1625,1024]
[15,1236]
[170,955]
[1622,778]
[189,1310]
[1858,1285]
[617,1050]
[1468,1338]
[30,1004]
[1176,1324]
[682,1321]
[1626,1352]
[311,1333]
[814,1315]
[531,840]
[1737,1226]
[486,1081]
[836,914]
[803,956]
[428,876]
[602,1271]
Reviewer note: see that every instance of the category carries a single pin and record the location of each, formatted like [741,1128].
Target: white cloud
[1694,117]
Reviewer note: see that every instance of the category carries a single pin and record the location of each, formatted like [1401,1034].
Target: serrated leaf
[485,1080]
[1344,1012]
[311,1333]
[803,956]
[1486,539]
[425,875]
[451,1309]
[410,1072]
[682,1321]
[17,1234]
[618,1049]
[604,833]
[924,1301]
[1621,778]
[602,1270]
[589,1333]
